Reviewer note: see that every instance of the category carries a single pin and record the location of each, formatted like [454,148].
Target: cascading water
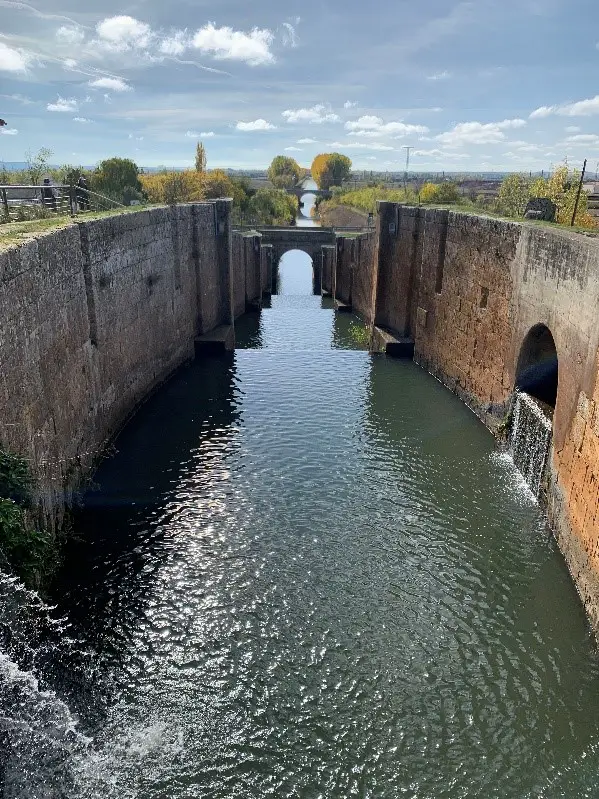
[39,739]
[530,439]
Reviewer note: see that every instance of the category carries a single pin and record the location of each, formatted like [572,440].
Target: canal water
[304,217]
[304,572]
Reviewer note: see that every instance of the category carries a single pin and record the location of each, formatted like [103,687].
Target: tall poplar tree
[200,157]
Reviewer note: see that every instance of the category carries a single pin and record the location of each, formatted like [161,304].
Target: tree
[562,188]
[273,206]
[330,169]
[217,184]
[114,175]
[284,172]
[513,195]
[200,157]
[242,192]
[37,165]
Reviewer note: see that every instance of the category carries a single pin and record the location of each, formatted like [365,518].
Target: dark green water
[307,573]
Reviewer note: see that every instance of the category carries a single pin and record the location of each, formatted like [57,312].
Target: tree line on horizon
[121,180]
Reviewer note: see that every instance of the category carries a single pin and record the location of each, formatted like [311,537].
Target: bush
[444,193]
[26,550]
[273,207]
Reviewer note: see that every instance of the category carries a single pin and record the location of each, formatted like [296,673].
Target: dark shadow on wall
[537,370]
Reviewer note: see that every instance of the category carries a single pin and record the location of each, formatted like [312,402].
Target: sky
[470,85]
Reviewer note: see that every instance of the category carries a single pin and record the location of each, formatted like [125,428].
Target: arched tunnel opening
[537,370]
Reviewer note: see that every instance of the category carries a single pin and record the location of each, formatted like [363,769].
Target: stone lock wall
[468,290]
[92,317]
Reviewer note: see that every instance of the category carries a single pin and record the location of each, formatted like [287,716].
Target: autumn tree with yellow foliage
[330,169]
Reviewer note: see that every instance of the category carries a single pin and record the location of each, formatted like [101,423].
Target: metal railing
[20,203]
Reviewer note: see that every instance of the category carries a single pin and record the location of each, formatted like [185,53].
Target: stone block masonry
[92,318]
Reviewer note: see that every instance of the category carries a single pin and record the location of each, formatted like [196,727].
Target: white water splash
[530,440]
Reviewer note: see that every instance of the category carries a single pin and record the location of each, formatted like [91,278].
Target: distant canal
[304,217]
[305,572]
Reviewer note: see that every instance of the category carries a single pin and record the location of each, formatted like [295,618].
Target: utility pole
[584,168]
[407,148]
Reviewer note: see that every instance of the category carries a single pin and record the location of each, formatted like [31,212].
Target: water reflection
[304,217]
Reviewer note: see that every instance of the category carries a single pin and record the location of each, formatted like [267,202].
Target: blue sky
[470,84]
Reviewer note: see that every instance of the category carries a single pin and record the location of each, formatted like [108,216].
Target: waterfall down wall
[530,440]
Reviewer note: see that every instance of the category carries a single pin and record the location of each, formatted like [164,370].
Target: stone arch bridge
[309,240]
[299,192]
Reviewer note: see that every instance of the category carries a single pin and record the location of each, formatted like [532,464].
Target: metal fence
[21,203]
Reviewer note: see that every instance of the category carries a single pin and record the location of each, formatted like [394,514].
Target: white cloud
[227,44]
[176,44]
[70,34]
[12,60]
[8,131]
[83,120]
[543,111]
[307,141]
[257,124]
[360,145]
[135,138]
[573,129]
[294,149]
[69,63]
[370,126]
[123,33]
[445,75]
[349,104]
[525,147]
[314,116]
[583,138]
[19,98]
[478,133]
[63,105]
[289,35]
[582,108]
[114,84]
[192,134]
[436,153]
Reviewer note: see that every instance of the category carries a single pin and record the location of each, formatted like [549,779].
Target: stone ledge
[395,346]
[221,339]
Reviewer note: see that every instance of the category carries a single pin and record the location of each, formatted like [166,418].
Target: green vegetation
[561,188]
[284,172]
[273,207]
[514,193]
[26,550]
[330,169]
[359,333]
[118,178]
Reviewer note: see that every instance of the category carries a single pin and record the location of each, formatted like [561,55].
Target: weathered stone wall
[238,272]
[329,266]
[461,319]
[398,257]
[253,290]
[468,290]
[92,317]
[343,270]
[363,275]
[266,266]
